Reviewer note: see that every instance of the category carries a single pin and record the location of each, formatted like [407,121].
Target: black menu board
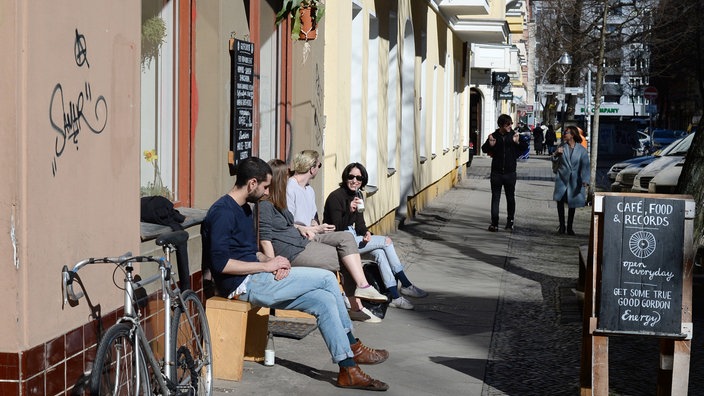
[242,96]
[642,266]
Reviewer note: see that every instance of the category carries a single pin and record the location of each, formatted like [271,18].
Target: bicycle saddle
[172,238]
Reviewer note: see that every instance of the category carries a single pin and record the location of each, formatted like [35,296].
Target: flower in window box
[157,186]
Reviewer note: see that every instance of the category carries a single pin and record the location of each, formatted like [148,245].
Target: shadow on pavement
[318,375]
[471,367]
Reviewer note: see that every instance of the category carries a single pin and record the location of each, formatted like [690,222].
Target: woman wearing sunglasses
[342,210]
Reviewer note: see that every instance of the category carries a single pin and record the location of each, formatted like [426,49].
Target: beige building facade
[95,115]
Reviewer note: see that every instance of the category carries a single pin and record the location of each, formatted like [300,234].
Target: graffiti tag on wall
[68,118]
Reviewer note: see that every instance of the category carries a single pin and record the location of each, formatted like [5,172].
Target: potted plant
[305,15]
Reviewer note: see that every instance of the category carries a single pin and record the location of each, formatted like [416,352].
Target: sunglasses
[353,177]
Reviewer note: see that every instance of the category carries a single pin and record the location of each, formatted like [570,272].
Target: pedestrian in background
[550,138]
[584,138]
[504,148]
[572,177]
[538,138]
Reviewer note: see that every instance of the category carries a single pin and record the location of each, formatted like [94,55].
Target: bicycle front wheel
[192,346]
[119,367]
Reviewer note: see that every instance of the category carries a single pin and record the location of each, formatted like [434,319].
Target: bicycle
[125,363]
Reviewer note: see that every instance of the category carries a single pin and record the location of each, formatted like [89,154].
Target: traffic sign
[650,92]
[505,95]
[549,88]
[574,90]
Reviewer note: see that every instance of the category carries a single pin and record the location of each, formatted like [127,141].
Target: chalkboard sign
[642,266]
[242,96]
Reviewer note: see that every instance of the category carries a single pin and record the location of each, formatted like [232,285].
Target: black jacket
[504,153]
[337,212]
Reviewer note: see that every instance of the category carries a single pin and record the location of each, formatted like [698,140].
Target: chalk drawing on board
[642,244]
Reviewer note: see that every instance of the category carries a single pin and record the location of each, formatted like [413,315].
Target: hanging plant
[305,16]
[153,36]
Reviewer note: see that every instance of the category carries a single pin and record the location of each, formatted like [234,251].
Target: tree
[678,43]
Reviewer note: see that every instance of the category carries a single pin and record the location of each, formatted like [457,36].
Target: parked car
[665,182]
[623,181]
[619,166]
[663,137]
[643,178]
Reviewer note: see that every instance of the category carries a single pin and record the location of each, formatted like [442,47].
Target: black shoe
[570,231]
[561,230]
[509,225]
[493,228]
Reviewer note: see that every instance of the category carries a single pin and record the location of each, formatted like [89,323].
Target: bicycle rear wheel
[192,346]
[116,370]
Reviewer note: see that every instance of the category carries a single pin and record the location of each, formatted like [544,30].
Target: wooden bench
[238,332]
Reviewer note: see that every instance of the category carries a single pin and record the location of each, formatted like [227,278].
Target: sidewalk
[501,319]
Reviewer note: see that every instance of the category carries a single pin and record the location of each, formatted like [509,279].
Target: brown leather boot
[365,355]
[355,378]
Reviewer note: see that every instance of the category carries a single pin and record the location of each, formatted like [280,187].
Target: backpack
[373,275]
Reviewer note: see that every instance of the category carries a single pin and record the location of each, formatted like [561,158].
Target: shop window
[165,100]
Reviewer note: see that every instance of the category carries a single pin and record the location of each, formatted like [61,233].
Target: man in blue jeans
[241,272]
[504,148]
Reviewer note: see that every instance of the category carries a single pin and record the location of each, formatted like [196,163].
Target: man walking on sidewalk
[504,148]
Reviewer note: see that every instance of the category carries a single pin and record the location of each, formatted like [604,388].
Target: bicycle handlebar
[68,276]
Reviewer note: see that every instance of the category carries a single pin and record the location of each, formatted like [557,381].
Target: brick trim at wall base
[60,366]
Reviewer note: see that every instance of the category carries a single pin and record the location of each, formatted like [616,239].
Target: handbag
[373,275]
[555,165]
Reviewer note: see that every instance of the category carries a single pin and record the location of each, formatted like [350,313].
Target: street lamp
[588,100]
[565,63]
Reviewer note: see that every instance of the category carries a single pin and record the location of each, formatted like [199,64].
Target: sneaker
[364,315]
[401,303]
[413,291]
[369,293]
[493,228]
[509,225]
